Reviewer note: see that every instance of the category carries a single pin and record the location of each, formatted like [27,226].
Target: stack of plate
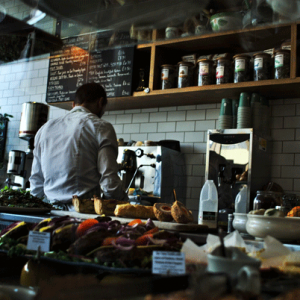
[244,112]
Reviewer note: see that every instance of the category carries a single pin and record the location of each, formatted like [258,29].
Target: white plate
[16,292]
[283,229]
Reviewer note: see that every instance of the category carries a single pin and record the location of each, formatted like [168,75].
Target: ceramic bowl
[226,21]
[18,292]
[283,229]
[239,222]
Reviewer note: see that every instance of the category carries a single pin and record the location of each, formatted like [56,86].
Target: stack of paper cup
[256,112]
[244,111]
[225,117]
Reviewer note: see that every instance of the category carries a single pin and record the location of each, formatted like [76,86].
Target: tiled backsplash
[26,81]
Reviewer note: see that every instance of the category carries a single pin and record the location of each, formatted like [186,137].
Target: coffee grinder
[33,116]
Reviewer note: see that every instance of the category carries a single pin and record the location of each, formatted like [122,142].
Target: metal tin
[168,77]
[185,74]
[241,68]
[282,64]
[33,116]
[262,66]
[205,71]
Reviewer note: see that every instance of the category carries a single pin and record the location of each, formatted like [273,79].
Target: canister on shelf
[282,64]
[168,77]
[262,66]
[223,71]
[205,72]
[185,74]
[241,68]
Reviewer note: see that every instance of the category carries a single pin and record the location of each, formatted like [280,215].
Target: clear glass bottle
[282,64]
[262,66]
[241,68]
[185,74]
[168,77]
[265,200]
[223,71]
[205,71]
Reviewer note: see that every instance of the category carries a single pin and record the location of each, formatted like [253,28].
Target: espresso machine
[33,116]
[153,173]
[234,158]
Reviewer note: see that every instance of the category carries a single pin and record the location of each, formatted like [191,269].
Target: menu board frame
[82,59]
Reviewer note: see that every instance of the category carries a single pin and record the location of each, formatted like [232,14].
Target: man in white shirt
[76,154]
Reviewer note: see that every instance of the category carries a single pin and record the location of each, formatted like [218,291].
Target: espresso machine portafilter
[33,116]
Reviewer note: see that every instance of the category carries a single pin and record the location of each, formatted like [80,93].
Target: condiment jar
[265,200]
[205,71]
[282,64]
[185,74]
[262,66]
[241,68]
[223,70]
[168,77]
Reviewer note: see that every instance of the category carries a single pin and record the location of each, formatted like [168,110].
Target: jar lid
[186,63]
[242,56]
[204,60]
[262,54]
[282,51]
[168,66]
[222,58]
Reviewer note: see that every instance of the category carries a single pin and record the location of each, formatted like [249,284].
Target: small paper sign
[38,239]
[167,262]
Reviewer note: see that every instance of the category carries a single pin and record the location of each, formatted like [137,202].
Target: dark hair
[89,93]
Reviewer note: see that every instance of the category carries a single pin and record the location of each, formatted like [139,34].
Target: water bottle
[208,205]
[241,200]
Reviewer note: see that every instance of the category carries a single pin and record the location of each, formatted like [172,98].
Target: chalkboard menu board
[81,61]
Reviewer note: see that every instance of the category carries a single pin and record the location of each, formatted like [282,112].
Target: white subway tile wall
[26,81]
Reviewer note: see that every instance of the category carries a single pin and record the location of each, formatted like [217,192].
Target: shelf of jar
[272,89]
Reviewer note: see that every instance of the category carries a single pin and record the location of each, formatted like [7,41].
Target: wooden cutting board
[191,227]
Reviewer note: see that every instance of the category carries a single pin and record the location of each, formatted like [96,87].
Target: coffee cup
[226,107]
[244,100]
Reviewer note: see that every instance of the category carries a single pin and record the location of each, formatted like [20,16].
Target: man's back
[68,150]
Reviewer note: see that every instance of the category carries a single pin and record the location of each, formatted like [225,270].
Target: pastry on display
[180,214]
[162,212]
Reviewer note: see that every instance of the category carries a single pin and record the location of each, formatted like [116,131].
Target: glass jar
[168,77]
[223,70]
[185,74]
[262,66]
[282,64]
[266,200]
[241,68]
[205,72]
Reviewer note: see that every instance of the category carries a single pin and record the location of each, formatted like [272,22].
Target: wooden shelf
[272,89]
[238,41]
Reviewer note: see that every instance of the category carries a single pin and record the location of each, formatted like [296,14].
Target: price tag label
[38,239]
[167,262]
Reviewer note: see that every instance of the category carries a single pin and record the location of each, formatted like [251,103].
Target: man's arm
[110,182]
[37,179]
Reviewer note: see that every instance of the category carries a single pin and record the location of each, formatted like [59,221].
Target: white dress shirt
[76,155]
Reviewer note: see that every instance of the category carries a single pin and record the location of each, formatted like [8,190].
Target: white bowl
[239,222]
[16,292]
[283,229]
[226,21]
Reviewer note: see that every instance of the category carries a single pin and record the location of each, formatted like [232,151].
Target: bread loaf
[106,206]
[136,211]
[85,206]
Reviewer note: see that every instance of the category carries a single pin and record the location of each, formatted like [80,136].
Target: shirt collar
[80,109]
